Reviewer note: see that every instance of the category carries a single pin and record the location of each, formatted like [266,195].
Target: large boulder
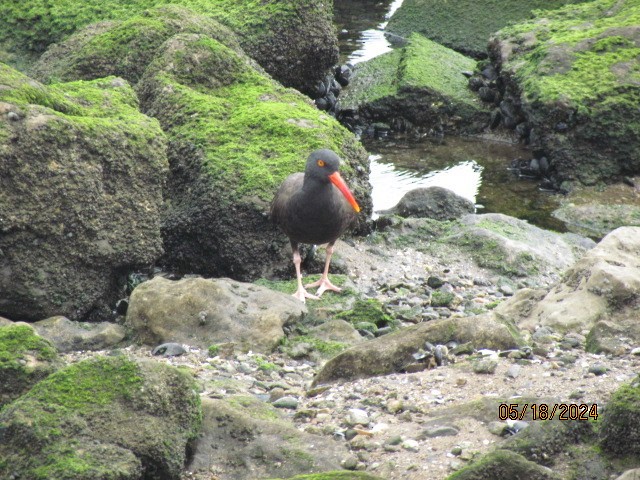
[419,88]
[503,464]
[124,47]
[106,418]
[234,134]
[603,286]
[201,312]
[620,424]
[243,437]
[293,40]
[432,202]
[25,359]
[463,25]
[392,353]
[69,336]
[80,197]
[569,81]
[598,295]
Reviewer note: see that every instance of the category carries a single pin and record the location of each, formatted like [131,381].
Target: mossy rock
[574,73]
[503,464]
[124,47]
[619,427]
[464,26]
[81,194]
[25,359]
[242,434]
[417,87]
[335,475]
[367,311]
[393,352]
[542,440]
[77,423]
[234,134]
[293,40]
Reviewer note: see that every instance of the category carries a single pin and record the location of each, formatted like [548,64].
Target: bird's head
[322,165]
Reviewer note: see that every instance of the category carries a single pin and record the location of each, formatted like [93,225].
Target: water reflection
[474,169]
[361,28]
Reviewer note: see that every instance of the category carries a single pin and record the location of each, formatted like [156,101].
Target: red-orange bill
[337,180]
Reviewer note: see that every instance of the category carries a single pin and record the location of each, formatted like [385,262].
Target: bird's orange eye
[321,163]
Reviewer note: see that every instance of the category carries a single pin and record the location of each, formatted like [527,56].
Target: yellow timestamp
[546,411]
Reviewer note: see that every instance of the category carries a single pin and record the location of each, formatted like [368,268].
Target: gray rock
[432,202]
[201,312]
[633,474]
[241,430]
[169,350]
[392,352]
[440,431]
[485,365]
[69,336]
[288,402]
[598,287]
[357,416]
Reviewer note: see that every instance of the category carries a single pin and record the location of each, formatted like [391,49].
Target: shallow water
[475,169]
[360,26]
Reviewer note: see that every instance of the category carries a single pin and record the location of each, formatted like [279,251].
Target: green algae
[603,58]
[18,340]
[421,65]
[463,25]
[93,399]
[335,475]
[253,132]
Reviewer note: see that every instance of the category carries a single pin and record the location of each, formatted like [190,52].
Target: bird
[314,207]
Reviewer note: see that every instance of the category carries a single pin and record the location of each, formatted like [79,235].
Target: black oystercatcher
[314,207]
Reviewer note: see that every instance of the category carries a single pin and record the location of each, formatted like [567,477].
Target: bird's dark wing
[290,185]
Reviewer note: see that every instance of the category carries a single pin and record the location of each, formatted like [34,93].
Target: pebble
[411,445]
[169,350]
[514,371]
[357,416]
[440,431]
[485,365]
[288,402]
[598,369]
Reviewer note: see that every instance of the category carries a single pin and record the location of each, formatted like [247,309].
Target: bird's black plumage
[314,207]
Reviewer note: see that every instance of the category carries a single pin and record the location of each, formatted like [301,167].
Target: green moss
[253,407]
[213,350]
[602,59]
[335,475]
[368,310]
[34,24]
[265,365]
[620,425]
[441,299]
[18,340]
[420,65]
[463,25]
[253,132]
[328,299]
[325,348]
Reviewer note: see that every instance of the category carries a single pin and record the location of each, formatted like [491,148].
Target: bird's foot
[323,285]
[301,294]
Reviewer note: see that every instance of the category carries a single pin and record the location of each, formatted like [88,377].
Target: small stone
[506,290]
[394,406]
[598,369]
[435,282]
[485,366]
[514,371]
[13,116]
[456,451]
[286,402]
[350,463]
[357,416]
[169,350]
[300,350]
[635,351]
[440,431]
[396,440]
[411,445]
[497,428]
[350,434]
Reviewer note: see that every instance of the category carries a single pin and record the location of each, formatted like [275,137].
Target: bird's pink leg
[301,294]
[324,283]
